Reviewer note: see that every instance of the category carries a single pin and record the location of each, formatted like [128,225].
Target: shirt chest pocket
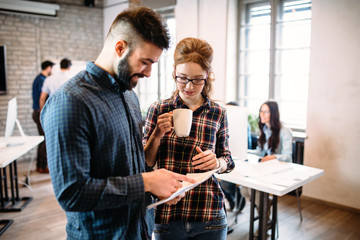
[206,133]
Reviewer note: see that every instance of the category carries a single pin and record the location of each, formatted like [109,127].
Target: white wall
[186,16]
[206,19]
[111,9]
[333,105]
[231,54]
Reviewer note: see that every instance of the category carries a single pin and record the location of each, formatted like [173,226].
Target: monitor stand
[13,144]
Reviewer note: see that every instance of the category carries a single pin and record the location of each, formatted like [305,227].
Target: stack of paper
[262,168]
[186,186]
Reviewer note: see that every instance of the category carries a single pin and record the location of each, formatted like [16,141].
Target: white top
[283,151]
[53,82]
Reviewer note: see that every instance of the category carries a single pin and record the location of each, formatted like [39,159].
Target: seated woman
[275,141]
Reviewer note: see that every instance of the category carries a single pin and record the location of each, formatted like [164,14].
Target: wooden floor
[43,219]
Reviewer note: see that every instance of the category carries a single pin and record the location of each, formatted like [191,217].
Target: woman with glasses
[275,141]
[200,213]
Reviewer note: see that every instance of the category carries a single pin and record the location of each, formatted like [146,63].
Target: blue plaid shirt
[95,156]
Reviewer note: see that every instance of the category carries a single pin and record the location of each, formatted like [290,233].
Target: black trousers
[41,160]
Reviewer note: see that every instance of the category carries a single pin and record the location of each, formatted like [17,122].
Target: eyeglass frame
[191,80]
[266,112]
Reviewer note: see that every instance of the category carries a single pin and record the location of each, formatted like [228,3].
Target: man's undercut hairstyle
[65,63]
[140,24]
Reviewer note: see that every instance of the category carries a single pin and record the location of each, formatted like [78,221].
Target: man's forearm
[42,99]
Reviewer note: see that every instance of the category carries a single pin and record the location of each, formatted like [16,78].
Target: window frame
[276,8]
[160,73]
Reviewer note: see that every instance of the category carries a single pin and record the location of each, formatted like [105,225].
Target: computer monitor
[237,120]
[11,120]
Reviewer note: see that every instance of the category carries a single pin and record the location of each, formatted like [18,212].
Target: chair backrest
[298,151]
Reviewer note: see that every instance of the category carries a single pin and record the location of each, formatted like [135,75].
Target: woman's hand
[267,158]
[163,124]
[205,160]
[175,200]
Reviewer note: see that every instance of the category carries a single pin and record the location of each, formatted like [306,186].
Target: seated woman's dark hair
[275,126]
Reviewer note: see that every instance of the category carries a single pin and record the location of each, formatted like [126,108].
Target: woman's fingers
[205,160]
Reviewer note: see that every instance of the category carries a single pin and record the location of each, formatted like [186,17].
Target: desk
[278,183]
[8,157]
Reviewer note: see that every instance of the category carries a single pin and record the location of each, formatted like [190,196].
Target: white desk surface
[8,154]
[278,183]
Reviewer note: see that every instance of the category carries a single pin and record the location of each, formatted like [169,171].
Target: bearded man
[93,135]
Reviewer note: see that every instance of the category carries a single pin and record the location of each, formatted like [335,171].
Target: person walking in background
[46,69]
[51,84]
[200,214]
[93,130]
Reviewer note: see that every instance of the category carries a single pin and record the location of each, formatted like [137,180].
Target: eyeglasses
[266,112]
[195,81]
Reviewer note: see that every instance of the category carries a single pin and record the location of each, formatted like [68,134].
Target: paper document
[262,168]
[253,158]
[272,166]
[277,180]
[186,186]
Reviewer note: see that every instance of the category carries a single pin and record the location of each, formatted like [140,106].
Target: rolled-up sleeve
[222,144]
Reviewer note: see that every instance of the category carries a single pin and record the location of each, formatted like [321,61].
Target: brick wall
[77,34]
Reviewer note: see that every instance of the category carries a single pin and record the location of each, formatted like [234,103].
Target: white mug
[182,120]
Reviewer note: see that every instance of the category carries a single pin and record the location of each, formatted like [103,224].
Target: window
[161,84]
[274,57]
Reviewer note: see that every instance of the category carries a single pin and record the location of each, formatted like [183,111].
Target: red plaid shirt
[209,130]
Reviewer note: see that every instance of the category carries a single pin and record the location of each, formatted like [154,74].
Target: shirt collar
[178,103]
[267,130]
[105,79]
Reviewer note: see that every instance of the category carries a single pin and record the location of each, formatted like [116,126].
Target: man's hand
[163,183]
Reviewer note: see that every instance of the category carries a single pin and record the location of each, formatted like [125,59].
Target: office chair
[239,202]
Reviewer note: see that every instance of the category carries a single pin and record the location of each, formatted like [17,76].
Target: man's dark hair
[65,63]
[46,64]
[145,23]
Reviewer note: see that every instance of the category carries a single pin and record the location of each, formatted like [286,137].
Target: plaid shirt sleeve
[150,122]
[222,144]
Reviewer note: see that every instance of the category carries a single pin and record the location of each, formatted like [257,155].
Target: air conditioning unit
[29,8]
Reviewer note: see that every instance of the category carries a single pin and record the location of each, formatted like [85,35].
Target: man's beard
[124,77]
